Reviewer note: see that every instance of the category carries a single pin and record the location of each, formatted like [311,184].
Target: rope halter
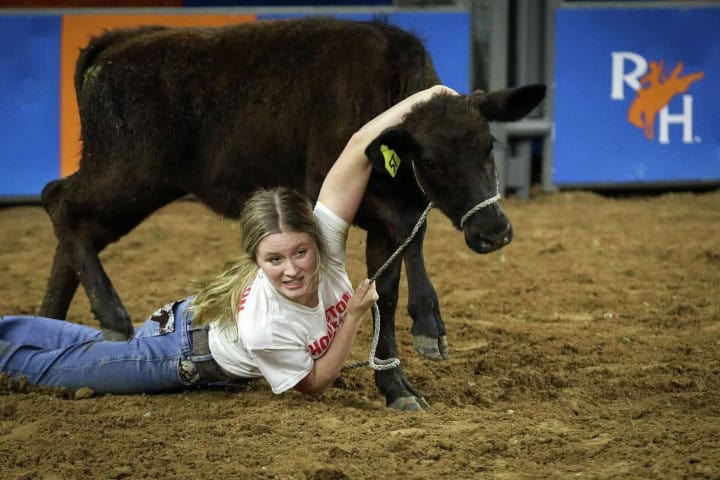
[485,203]
[481,205]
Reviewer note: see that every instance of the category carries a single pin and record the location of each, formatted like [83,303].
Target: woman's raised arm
[345,184]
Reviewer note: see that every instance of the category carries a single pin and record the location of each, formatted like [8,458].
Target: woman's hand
[365,297]
[327,368]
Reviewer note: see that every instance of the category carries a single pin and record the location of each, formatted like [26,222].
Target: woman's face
[289,261]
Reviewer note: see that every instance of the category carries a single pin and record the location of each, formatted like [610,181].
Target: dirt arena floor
[588,348]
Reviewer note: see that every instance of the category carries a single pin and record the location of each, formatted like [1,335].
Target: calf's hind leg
[88,214]
[61,285]
[63,281]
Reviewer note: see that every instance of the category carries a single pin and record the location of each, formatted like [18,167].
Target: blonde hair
[266,212]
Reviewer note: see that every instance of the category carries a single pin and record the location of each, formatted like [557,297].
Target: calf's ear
[509,104]
[387,151]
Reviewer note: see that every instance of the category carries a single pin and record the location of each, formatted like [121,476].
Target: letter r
[619,77]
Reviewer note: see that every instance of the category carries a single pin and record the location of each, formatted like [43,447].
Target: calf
[219,112]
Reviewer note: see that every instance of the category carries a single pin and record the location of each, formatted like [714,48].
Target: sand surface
[588,348]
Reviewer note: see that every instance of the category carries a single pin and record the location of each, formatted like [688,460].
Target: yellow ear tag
[392,161]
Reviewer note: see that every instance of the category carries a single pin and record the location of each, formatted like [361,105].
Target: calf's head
[444,145]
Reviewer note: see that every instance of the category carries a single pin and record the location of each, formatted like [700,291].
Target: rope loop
[482,204]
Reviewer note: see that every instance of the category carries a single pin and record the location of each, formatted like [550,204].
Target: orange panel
[76,33]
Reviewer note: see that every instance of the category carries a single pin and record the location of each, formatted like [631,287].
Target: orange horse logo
[655,92]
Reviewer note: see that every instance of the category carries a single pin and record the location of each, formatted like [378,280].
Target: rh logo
[654,90]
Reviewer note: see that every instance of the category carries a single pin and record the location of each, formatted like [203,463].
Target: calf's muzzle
[488,230]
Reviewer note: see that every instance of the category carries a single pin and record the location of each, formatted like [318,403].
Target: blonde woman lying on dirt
[285,311]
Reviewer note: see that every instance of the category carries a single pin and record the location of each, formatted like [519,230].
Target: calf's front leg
[428,329]
[392,383]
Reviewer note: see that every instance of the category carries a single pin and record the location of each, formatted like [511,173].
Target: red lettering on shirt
[315,350]
[243,298]
[341,306]
[334,318]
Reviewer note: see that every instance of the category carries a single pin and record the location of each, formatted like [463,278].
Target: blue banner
[29,102]
[636,98]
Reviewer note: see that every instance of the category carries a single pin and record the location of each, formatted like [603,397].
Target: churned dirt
[588,348]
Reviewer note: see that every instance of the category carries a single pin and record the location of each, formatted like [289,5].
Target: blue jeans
[59,353]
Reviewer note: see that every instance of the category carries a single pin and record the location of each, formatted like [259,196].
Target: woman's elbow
[358,142]
[312,385]
[312,391]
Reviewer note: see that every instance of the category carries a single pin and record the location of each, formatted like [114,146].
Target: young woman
[285,311]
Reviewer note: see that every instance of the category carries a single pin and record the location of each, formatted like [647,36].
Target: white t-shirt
[279,339]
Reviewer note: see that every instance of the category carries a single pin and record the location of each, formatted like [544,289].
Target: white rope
[477,208]
[388,363]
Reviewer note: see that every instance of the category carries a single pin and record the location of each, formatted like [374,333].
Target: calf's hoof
[431,348]
[113,336]
[410,404]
